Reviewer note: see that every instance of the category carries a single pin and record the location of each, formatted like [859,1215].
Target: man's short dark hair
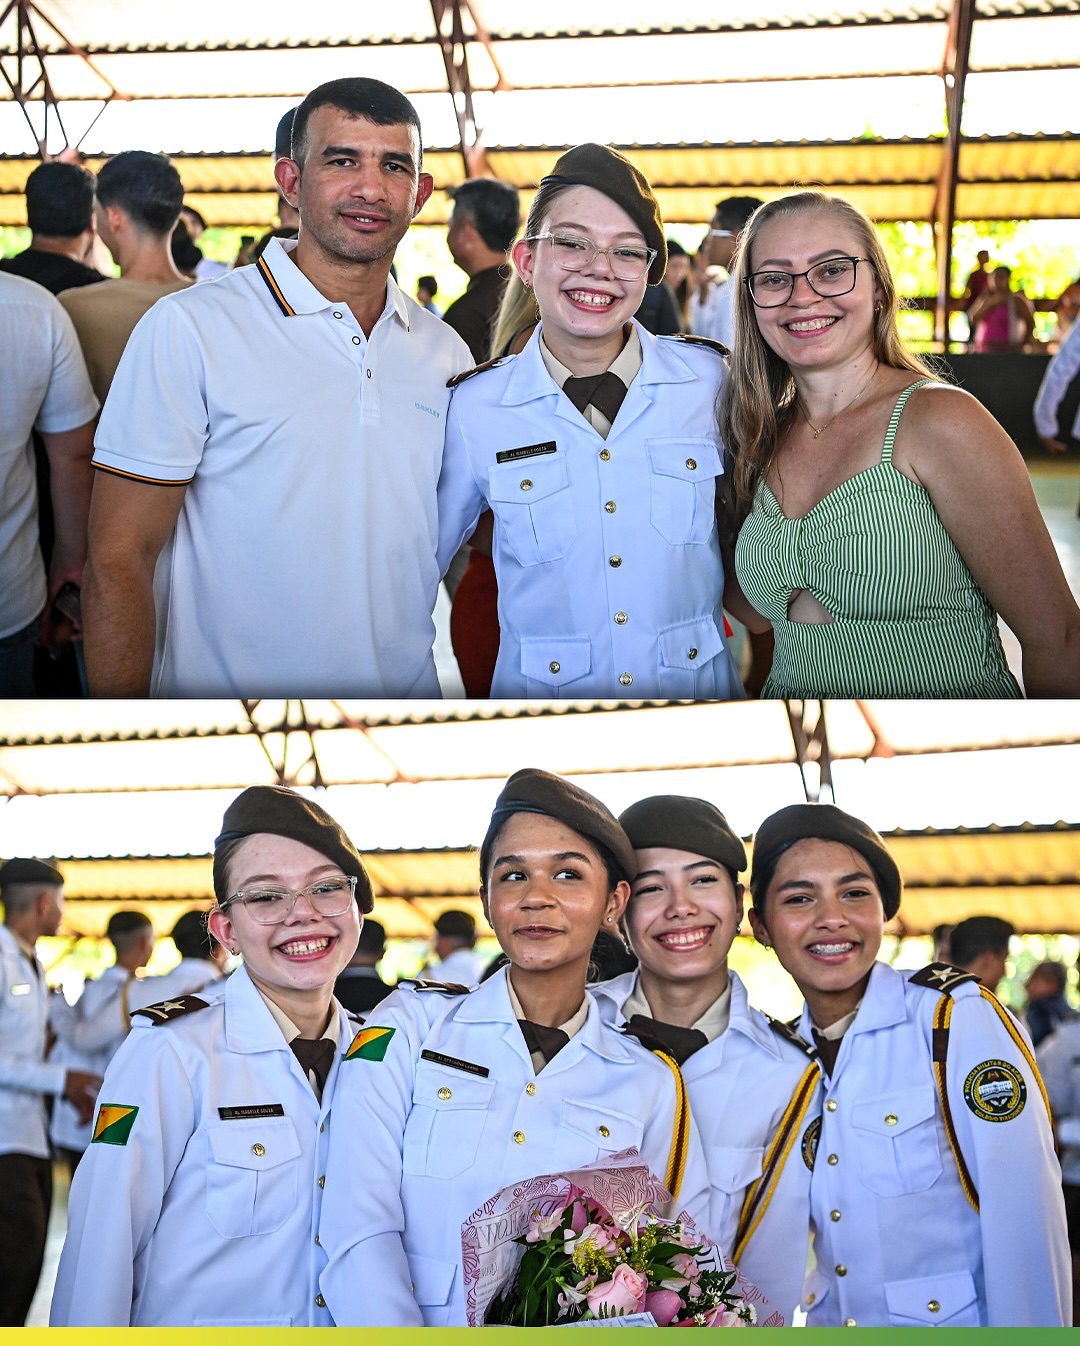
[125,927]
[733,212]
[191,937]
[977,935]
[372,938]
[371,99]
[146,187]
[59,200]
[492,206]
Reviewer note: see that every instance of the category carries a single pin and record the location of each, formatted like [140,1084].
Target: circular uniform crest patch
[810,1139]
[995,1091]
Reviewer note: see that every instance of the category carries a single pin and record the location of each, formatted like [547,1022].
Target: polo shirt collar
[294,294]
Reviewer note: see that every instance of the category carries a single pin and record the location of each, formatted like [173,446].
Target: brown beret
[284,813]
[825,822]
[684,824]
[608,171]
[30,871]
[534,791]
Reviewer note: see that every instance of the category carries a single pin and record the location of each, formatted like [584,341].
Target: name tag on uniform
[251,1112]
[23,988]
[468,1066]
[526,451]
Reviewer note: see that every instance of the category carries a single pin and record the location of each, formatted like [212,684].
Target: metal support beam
[810,737]
[954,71]
[453,43]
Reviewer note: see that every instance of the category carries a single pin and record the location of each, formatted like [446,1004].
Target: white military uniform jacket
[610,576]
[898,1243]
[191,976]
[1059,1060]
[741,1086]
[201,1209]
[25,1075]
[453,1113]
[88,1035]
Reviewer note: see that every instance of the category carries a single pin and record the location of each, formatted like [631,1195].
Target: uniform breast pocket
[252,1176]
[607,1130]
[531,500]
[947,1299]
[442,1134]
[731,1171]
[683,488]
[896,1141]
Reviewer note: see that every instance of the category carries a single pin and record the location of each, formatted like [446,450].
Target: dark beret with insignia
[683,823]
[608,171]
[534,791]
[30,871]
[825,822]
[284,813]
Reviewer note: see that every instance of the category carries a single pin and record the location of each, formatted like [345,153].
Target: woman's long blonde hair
[758,399]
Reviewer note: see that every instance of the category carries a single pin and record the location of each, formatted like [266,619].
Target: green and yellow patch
[113,1124]
[370,1044]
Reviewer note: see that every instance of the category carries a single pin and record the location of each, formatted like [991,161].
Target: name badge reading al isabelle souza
[526,451]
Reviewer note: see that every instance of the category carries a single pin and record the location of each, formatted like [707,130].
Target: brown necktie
[604,391]
[315,1057]
[828,1050]
[675,1041]
[539,1038]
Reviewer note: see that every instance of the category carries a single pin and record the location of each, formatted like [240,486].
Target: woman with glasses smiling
[198,1199]
[891,519]
[596,451]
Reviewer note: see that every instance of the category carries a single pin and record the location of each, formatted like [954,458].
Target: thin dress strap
[894,419]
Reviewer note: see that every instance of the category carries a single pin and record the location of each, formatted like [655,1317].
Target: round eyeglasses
[332,896]
[574,253]
[836,275]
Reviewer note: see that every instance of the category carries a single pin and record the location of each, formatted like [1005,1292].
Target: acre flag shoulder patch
[370,1044]
[113,1124]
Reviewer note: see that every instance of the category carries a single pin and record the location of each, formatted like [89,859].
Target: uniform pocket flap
[525,482]
[731,1170]
[555,660]
[607,1129]
[443,1088]
[690,644]
[893,1114]
[815,1288]
[688,459]
[255,1144]
[931,1299]
[432,1280]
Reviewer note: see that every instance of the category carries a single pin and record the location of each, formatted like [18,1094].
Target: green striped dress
[908,619]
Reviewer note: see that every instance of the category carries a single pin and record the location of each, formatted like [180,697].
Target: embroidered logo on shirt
[370,1044]
[113,1124]
[995,1091]
[250,1112]
[526,451]
[810,1139]
[454,1064]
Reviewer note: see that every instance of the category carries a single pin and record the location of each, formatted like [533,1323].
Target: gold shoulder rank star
[166,1010]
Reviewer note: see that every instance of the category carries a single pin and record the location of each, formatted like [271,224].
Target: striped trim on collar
[263,268]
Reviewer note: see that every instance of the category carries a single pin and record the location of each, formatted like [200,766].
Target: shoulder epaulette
[166,1010]
[477,369]
[717,346]
[941,977]
[787,1031]
[446,987]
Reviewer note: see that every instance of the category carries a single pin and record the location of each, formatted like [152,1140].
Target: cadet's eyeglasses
[331,896]
[835,276]
[572,253]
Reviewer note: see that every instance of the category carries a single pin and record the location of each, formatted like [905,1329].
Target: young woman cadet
[935,1196]
[749,1086]
[596,450]
[891,518]
[197,1201]
[450,1096]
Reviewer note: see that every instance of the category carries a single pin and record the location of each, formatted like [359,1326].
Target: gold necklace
[846,407]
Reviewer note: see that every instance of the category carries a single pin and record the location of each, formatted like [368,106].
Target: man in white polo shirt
[263,521]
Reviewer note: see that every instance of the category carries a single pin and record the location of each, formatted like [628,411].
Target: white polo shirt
[43,387]
[303,560]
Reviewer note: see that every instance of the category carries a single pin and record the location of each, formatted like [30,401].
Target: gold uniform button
[691,463]
[322,1126]
[610,507]
[934,1306]
[554,666]
[318,1241]
[605,454]
[615,562]
[850,1322]
[526,484]
[830,1106]
[320,1302]
[519,1137]
[691,653]
[834,1159]
[841,1270]
[810,1298]
[530,1088]
[445,1093]
[891,1119]
[322,1180]
[258,1150]
[604,1131]
[620,619]
[834,1215]
[626,679]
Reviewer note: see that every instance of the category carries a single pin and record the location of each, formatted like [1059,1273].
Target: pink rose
[624,1293]
[664,1305]
[685,1264]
